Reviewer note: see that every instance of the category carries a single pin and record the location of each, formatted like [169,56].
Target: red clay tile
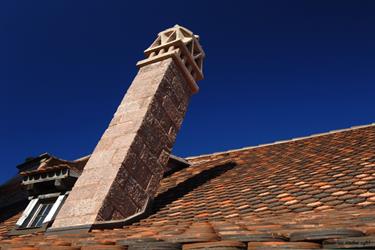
[274,188]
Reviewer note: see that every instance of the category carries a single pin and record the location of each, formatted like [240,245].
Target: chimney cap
[183,46]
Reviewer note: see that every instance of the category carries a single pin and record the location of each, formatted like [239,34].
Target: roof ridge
[285,141]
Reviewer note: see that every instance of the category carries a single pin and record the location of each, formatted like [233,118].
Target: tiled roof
[295,194]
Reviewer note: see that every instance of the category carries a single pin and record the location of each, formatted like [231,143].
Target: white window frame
[52,213]
[27,211]
[37,202]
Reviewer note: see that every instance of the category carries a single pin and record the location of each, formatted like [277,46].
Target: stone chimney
[123,173]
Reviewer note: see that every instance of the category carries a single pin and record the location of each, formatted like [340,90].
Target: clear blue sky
[274,70]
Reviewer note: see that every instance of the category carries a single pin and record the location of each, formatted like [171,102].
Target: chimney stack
[125,169]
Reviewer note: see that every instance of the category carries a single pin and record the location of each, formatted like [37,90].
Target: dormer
[48,181]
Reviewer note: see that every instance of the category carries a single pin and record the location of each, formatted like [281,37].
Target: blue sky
[274,70]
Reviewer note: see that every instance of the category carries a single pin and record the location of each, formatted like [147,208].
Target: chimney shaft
[124,171]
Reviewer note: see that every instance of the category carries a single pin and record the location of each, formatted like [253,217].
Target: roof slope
[331,171]
[328,180]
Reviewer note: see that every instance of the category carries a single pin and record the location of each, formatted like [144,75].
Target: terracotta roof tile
[319,182]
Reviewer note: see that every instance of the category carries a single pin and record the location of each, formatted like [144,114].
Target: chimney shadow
[183,188]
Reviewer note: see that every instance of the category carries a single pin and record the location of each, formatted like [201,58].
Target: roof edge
[283,141]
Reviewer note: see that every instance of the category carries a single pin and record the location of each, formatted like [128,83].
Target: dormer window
[40,212]
[48,185]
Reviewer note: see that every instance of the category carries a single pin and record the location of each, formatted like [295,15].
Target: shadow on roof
[183,188]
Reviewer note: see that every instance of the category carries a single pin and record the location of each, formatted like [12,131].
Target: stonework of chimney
[122,175]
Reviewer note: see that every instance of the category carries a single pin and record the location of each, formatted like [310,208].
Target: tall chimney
[124,171]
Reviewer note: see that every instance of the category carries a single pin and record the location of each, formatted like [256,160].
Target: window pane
[42,214]
[30,216]
[39,213]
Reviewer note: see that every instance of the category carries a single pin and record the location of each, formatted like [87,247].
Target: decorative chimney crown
[183,46]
